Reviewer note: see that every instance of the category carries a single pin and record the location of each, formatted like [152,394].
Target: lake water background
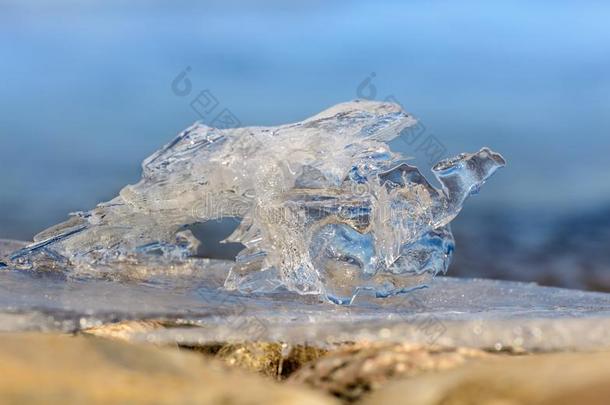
[86,95]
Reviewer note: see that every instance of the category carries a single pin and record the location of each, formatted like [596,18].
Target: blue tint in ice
[326,208]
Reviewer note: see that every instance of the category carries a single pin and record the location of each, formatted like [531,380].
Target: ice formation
[326,208]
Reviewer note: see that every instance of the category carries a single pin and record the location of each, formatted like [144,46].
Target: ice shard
[326,208]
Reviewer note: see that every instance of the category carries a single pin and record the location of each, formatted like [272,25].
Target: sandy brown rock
[271,359]
[125,330]
[64,369]
[544,379]
[275,360]
[263,358]
[354,370]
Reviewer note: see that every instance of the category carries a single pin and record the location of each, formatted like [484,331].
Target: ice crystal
[326,208]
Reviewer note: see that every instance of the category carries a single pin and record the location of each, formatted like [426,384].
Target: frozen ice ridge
[326,208]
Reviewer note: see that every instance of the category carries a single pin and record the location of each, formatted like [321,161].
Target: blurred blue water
[86,88]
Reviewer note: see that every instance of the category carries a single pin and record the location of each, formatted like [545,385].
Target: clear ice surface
[496,315]
[326,209]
